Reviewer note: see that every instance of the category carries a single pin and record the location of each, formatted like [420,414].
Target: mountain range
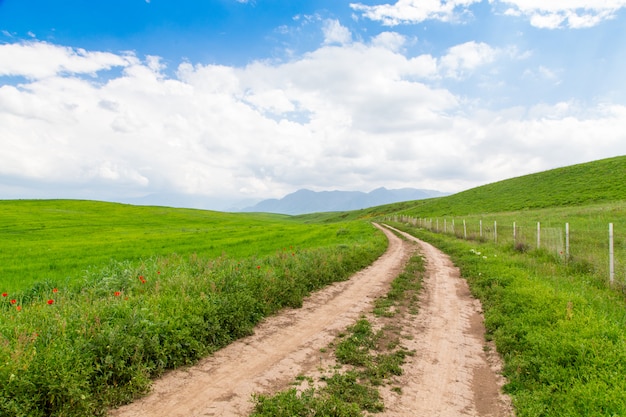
[306,201]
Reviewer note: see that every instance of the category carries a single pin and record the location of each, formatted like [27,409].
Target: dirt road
[450,375]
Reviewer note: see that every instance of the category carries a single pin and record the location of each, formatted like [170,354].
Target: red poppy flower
[13,301]
[19,308]
[258,267]
[117,293]
[4,294]
[55,290]
[50,302]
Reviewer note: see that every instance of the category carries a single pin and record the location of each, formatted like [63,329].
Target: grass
[57,240]
[577,185]
[96,298]
[588,229]
[369,359]
[561,333]
[558,325]
[139,290]
[76,352]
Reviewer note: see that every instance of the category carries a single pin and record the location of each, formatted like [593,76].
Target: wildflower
[117,293]
[19,308]
[14,301]
[4,294]
[55,290]
[258,267]
[142,279]
[50,302]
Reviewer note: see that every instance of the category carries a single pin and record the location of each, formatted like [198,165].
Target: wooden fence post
[566,241]
[538,235]
[514,235]
[464,230]
[611,255]
[481,228]
[495,231]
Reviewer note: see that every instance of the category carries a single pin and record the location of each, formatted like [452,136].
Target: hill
[594,182]
[307,201]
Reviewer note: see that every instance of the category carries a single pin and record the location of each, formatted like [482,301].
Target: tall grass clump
[77,350]
[561,333]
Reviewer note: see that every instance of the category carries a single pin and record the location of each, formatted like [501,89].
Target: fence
[594,247]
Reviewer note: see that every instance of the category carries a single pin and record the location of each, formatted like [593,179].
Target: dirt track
[450,375]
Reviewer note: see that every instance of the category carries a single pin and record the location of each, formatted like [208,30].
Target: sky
[219,103]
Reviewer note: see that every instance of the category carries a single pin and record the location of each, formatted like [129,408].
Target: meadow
[139,290]
[98,298]
[58,240]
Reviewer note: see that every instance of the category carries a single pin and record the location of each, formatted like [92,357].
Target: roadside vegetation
[560,331]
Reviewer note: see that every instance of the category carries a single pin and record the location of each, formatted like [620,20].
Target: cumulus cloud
[37,60]
[414,11]
[554,14]
[467,57]
[335,32]
[347,115]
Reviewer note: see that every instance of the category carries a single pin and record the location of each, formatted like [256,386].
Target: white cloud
[335,33]
[349,116]
[414,11]
[39,60]
[466,57]
[554,14]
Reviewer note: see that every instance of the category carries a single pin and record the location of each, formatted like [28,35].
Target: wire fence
[599,248]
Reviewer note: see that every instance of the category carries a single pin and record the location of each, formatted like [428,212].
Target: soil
[453,372]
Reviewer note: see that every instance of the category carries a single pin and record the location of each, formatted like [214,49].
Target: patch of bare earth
[450,374]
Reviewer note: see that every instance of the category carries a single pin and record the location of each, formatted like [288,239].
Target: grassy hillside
[57,240]
[577,185]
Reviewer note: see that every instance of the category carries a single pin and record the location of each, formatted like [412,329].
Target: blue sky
[227,100]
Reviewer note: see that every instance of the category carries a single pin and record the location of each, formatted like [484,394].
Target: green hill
[594,182]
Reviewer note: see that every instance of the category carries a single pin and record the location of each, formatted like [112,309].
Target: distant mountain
[190,201]
[307,201]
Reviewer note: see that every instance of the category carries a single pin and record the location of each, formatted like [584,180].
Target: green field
[58,240]
[98,298]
